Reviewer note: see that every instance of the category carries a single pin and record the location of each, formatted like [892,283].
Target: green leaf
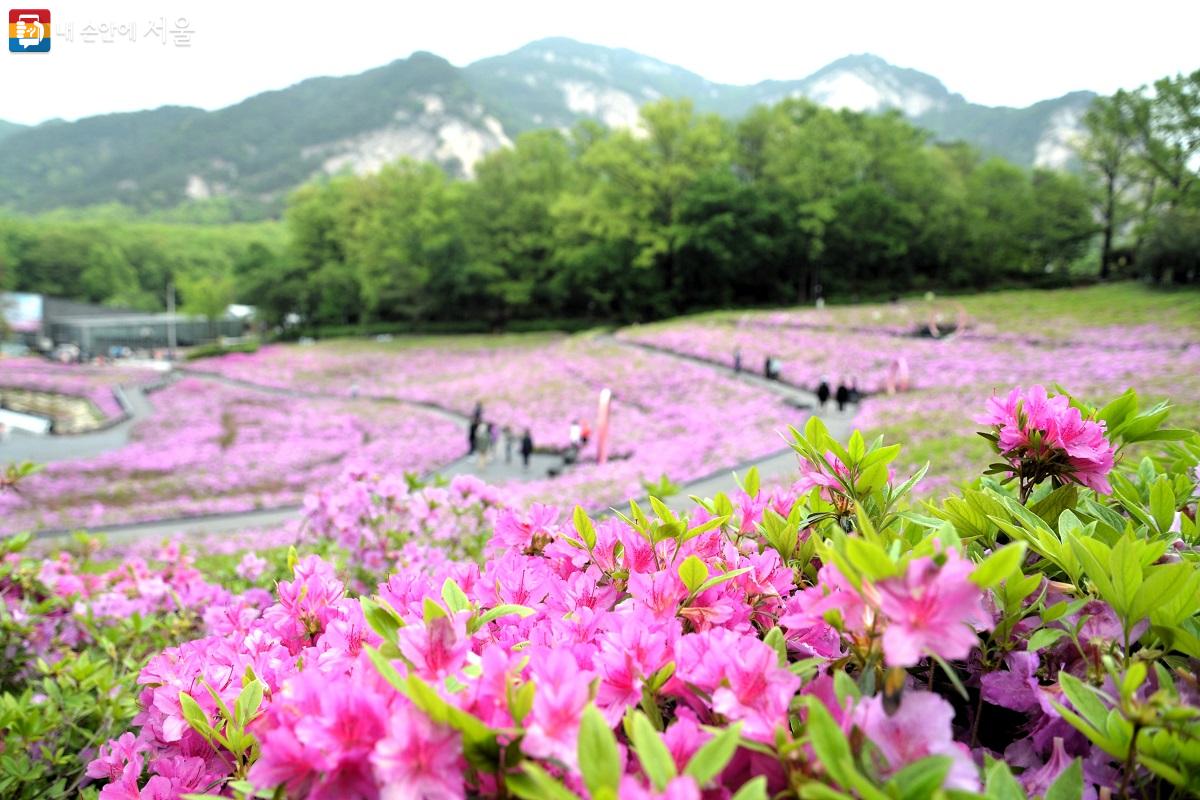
[248,701]
[870,559]
[1001,785]
[755,789]
[381,619]
[1083,698]
[829,743]
[503,611]
[922,778]
[717,580]
[599,758]
[1162,502]
[752,482]
[585,528]
[194,715]
[520,702]
[1118,410]
[999,565]
[534,783]
[1069,783]
[1044,638]
[1053,504]
[651,751]
[455,598]
[714,755]
[1164,583]
[693,573]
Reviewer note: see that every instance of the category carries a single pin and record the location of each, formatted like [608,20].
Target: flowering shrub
[827,639]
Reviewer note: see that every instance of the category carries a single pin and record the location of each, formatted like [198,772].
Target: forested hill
[243,159]
[8,128]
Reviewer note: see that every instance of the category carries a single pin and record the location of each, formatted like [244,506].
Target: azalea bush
[1033,635]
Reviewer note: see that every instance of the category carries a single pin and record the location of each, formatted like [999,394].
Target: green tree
[508,229]
[208,296]
[108,276]
[1168,130]
[1107,150]
[1062,223]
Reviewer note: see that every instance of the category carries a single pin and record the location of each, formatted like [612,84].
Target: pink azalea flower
[1037,428]
[251,567]
[921,727]
[439,648]
[682,787]
[931,610]
[741,674]
[562,693]
[418,759]
[115,756]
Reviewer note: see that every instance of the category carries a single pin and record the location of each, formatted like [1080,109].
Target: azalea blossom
[932,609]
[1043,436]
[919,728]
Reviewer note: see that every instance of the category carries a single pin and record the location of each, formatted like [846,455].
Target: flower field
[1034,635]
[212,448]
[862,343]
[668,416]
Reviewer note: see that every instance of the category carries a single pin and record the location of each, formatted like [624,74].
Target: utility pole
[171,319]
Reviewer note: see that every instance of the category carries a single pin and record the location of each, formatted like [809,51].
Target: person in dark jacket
[842,396]
[823,393]
[737,359]
[526,447]
[476,421]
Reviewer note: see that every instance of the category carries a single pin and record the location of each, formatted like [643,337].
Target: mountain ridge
[249,154]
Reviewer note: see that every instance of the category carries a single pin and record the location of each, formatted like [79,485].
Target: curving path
[23,446]
[780,464]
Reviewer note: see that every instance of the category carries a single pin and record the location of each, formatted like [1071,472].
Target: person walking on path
[476,421]
[508,444]
[483,443]
[574,435]
[737,360]
[842,396]
[526,448]
[823,392]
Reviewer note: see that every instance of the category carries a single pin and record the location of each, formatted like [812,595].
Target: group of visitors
[844,395]
[771,365]
[485,439]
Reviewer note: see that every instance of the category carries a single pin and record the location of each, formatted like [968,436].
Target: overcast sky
[1009,53]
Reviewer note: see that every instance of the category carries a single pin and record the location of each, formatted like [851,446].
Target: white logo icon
[30,30]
